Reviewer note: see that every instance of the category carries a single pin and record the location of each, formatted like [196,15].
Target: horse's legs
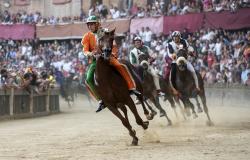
[153,112]
[146,113]
[198,104]
[157,104]
[177,100]
[186,107]
[173,106]
[138,119]
[190,104]
[125,122]
[204,103]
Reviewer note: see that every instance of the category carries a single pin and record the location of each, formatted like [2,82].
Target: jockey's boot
[100,106]
[135,92]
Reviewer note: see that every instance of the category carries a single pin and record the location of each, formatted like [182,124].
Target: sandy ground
[78,133]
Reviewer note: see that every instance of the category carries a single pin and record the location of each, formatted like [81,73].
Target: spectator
[248,79]
[148,36]
[244,73]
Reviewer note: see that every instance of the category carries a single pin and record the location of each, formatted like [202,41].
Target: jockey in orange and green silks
[89,42]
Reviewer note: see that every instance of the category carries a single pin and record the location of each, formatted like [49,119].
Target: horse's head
[143,60]
[105,42]
[181,63]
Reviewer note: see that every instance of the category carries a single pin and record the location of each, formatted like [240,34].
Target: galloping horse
[149,89]
[68,89]
[186,86]
[112,88]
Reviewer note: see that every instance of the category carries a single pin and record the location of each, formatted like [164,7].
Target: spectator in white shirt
[148,36]
[218,49]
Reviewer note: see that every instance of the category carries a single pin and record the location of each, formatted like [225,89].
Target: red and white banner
[22,2]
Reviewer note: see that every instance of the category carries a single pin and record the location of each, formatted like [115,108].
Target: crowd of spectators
[220,56]
[30,62]
[152,9]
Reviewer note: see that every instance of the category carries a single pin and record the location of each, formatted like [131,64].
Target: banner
[67,31]
[228,20]
[155,24]
[17,31]
[191,22]
[22,2]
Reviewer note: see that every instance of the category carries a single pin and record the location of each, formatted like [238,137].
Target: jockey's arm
[85,43]
[86,46]
[132,58]
[170,52]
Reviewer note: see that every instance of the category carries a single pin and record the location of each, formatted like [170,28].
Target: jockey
[173,46]
[143,49]
[89,43]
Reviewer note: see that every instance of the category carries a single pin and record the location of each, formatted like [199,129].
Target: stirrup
[135,92]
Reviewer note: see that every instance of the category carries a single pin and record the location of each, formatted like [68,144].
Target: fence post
[31,102]
[11,105]
[47,100]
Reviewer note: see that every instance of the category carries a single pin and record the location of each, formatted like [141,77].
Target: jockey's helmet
[176,34]
[92,19]
[137,38]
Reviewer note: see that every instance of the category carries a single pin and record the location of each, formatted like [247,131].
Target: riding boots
[100,107]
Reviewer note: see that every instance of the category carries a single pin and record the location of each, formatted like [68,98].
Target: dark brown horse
[149,89]
[186,86]
[113,89]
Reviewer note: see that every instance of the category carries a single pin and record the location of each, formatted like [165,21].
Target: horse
[185,85]
[149,89]
[69,89]
[112,88]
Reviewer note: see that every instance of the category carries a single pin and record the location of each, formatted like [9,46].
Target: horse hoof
[199,110]
[134,143]
[149,117]
[145,125]
[210,123]
[154,113]
[162,114]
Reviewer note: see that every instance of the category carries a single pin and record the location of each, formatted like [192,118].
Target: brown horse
[150,93]
[186,86]
[113,89]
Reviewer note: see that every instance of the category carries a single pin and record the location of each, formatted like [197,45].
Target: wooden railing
[16,103]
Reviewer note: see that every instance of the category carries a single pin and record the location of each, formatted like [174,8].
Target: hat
[92,19]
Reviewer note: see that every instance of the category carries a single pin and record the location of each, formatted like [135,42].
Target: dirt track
[79,133]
